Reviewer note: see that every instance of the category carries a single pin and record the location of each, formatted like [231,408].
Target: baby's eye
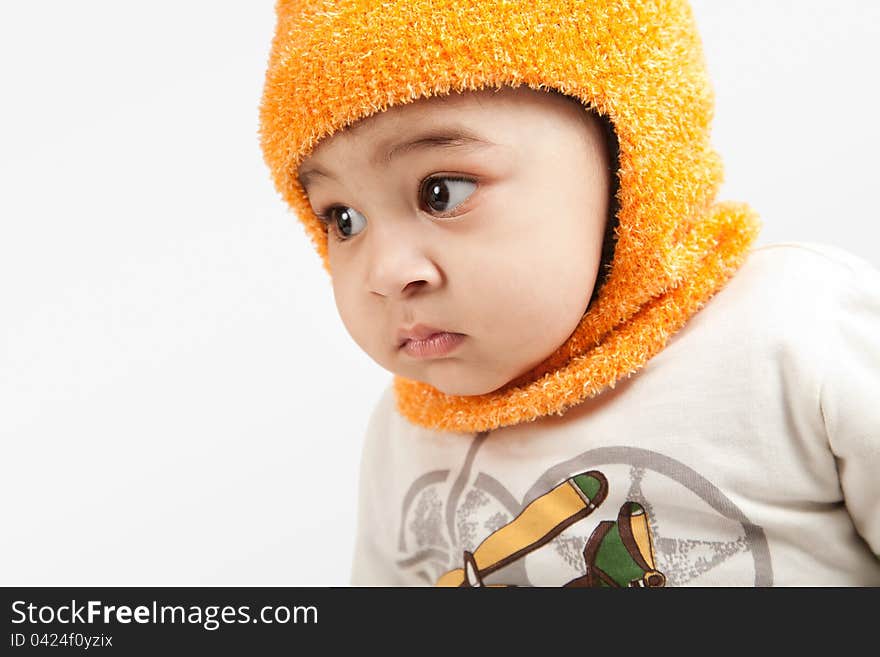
[347,221]
[443,193]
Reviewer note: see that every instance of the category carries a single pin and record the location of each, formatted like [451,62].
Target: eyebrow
[450,138]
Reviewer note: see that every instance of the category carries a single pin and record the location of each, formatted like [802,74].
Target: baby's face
[476,215]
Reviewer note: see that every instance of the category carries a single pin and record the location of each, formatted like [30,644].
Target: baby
[599,380]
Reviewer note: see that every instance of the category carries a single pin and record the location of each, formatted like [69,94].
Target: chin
[459,388]
[452,379]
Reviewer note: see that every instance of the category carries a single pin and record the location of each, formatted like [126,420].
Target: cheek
[351,314]
[365,321]
[344,294]
[533,286]
[506,297]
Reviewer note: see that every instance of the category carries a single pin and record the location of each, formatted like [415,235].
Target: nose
[399,264]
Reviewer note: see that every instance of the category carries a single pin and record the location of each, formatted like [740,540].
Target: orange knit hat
[637,62]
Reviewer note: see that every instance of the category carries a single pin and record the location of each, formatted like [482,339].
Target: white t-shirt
[747,452]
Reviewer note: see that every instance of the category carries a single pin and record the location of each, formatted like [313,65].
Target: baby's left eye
[443,193]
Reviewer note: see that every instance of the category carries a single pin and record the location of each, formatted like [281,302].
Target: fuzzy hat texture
[638,62]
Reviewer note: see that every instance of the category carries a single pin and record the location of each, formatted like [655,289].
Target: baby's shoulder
[800,278]
[811,259]
[387,429]
[383,411]
[791,297]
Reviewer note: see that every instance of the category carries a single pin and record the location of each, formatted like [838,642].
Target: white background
[179,401]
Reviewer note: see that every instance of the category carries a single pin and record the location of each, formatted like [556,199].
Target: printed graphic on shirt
[621,553]
[614,516]
[539,523]
[617,553]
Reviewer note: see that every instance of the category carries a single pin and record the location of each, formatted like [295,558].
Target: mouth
[434,346]
[421,341]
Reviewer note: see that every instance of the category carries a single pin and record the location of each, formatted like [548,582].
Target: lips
[426,342]
[417,332]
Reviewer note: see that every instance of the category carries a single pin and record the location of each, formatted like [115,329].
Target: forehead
[420,112]
[440,136]
[493,115]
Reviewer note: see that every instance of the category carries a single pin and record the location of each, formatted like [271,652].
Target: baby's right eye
[343,221]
